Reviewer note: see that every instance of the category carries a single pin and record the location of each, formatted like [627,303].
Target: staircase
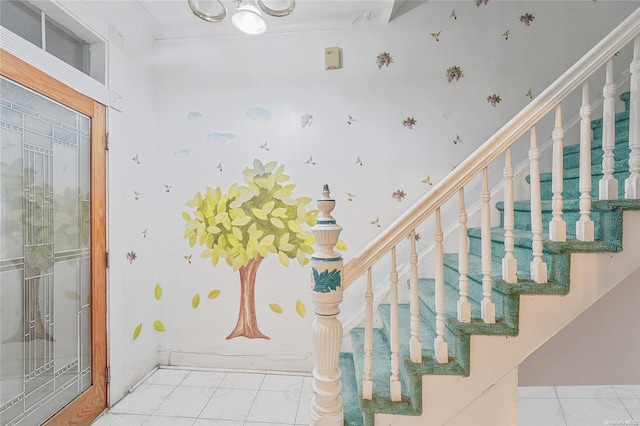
[450,356]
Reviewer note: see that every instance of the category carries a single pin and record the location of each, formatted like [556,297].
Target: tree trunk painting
[247,325]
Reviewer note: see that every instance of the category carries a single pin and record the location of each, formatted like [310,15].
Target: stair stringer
[592,275]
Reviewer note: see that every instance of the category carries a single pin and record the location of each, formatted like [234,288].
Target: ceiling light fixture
[248,17]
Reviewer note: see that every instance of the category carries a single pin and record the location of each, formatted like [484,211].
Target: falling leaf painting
[398,195]
[300,308]
[275,308]
[383,60]
[409,122]
[527,18]
[306,120]
[494,99]
[137,331]
[158,326]
[136,159]
[195,301]
[131,256]
[436,36]
[454,73]
[213,294]
[157,292]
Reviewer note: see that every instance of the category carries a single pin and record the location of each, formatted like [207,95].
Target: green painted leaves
[275,308]
[195,301]
[213,294]
[158,326]
[158,292]
[326,281]
[137,331]
[301,309]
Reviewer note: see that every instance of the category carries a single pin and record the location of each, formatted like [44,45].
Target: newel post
[326,330]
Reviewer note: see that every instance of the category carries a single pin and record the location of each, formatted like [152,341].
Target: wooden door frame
[88,405]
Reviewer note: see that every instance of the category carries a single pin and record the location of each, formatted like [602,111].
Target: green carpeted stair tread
[349,394]
[427,334]
[620,167]
[380,374]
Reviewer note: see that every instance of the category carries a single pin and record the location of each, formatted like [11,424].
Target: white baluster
[608,184]
[632,183]
[415,351]
[557,225]
[487,307]
[394,381]
[396,389]
[509,262]
[464,307]
[367,381]
[440,343]
[326,330]
[537,266]
[584,225]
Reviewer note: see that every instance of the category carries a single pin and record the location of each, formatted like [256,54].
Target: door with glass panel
[52,251]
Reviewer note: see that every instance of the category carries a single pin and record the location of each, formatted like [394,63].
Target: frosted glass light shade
[248,18]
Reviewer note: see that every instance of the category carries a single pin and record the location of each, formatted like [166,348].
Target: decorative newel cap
[326,205]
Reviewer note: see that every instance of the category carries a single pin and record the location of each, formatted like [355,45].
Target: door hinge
[106,142]
[107,259]
[108,375]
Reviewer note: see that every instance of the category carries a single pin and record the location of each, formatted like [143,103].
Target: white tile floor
[171,397]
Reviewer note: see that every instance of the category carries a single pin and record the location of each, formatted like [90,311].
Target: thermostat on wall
[332,58]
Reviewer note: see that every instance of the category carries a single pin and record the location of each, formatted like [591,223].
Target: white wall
[222,78]
[593,349]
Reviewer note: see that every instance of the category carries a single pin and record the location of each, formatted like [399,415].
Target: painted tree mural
[246,224]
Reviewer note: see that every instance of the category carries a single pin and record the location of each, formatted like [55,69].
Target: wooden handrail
[492,148]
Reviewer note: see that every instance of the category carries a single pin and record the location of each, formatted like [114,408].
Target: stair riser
[452,277]
[522,220]
[428,316]
[571,159]
[570,185]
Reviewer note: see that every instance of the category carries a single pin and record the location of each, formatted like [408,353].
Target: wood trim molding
[86,407]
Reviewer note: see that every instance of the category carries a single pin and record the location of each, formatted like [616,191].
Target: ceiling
[169,19]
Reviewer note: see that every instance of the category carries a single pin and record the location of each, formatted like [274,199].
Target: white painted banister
[464,307]
[632,183]
[415,347]
[367,381]
[509,262]
[497,144]
[608,185]
[487,307]
[537,266]
[584,226]
[394,380]
[326,330]
[440,343]
[557,225]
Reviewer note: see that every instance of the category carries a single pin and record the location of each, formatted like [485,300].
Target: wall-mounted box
[332,58]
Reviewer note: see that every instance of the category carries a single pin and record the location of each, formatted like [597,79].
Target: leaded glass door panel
[49,277]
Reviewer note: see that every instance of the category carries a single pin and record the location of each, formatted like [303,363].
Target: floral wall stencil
[398,195]
[259,114]
[136,159]
[188,258]
[167,188]
[246,224]
[351,120]
[453,15]
[350,196]
[409,122]
[132,256]
[506,34]
[528,94]
[436,36]
[219,167]
[359,161]
[144,232]
[136,195]
[457,140]
[310,161]
[454,73]
[527,18]
[306,120]
[494,99]
[481,2]
[427,180]
[264,146]
[383,60]
[376,222]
